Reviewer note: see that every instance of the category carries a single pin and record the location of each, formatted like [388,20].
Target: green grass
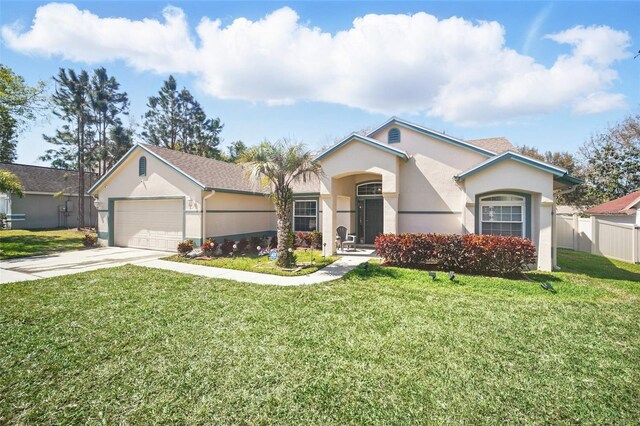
[381,346]
[23,242]
[263,264]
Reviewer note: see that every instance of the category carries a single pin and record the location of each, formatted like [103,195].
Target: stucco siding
[161,181]
[43,211]
[513,176]
[237,214]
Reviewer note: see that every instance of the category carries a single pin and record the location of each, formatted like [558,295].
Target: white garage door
[150,224]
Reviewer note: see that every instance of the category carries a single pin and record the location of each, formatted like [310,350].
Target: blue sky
[547,74]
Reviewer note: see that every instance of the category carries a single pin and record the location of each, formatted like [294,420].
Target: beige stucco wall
[429,198]
[161,181]
[510,175]
[232,215]
[42,211]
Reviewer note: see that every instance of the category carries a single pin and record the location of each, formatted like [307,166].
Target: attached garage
[149,224]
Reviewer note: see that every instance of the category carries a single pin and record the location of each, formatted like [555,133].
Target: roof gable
[559,173]
[366,140]
[207,173]
[395,121]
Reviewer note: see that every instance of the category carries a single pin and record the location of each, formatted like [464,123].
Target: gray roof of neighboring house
[497,145]
[48,180]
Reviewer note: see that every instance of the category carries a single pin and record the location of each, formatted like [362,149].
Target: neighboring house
[621,210]
[50,198]
[401,177]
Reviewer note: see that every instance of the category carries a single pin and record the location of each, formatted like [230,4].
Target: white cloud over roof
[454,69]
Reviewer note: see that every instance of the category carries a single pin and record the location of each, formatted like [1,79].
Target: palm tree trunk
[284,215]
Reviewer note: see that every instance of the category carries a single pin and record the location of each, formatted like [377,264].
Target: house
[621,210]
[401,177]
[50,198]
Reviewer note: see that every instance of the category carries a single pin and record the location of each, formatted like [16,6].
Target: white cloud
[599,102]
[455,69]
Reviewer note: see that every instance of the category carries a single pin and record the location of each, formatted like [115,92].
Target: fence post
[576,232]
[635,256]
[594,235]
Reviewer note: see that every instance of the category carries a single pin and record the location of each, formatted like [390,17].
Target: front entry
[370,219]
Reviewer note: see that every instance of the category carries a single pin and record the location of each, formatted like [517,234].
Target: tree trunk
[81,174]
[284,215]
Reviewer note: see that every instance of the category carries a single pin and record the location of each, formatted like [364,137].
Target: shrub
[185,246]
[242,246]
[227,247]
[273,242]
[303,239]
[209,247]
[256,242]
[316,239]
[465,253]
[90,240]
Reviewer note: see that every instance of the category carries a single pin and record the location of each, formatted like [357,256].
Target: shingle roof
[627,205]
[497,145]
[209,172]
[48,180]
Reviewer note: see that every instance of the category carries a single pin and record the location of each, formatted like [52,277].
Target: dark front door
[372,219]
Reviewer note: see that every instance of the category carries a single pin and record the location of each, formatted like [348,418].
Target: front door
[372,219]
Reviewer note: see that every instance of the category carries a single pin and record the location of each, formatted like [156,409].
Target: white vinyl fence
[598,236]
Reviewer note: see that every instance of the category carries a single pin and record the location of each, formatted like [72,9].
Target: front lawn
[381,346]
[24,242]
[263,264]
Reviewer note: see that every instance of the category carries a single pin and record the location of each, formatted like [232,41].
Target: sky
[544,74]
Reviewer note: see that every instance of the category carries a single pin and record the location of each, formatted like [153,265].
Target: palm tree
[276,167]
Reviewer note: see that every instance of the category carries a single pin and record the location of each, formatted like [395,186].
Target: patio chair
[345,240]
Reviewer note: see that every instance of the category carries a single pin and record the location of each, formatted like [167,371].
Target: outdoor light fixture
[96,202]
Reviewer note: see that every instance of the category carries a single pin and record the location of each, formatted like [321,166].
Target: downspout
[554,226]
[203,207]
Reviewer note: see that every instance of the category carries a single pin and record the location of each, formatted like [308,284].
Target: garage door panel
[152,224]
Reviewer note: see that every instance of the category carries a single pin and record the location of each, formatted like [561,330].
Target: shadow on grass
[369,270]
[14,246]
[597,266]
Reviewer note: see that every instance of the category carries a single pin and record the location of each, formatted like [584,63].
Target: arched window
[503,214]
[369,189]
[393,135]
[142,166]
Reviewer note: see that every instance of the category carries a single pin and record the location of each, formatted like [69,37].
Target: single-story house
[50,198]
[400,177]
[621,210]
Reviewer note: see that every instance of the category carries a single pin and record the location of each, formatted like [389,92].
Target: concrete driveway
[73,262]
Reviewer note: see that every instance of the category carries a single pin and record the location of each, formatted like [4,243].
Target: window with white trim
[368,189]
[305,215]
[503,214]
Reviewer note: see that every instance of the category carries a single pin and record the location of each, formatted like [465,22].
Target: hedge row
[463,253]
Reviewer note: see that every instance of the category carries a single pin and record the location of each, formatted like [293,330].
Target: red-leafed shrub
[465,253]
[227,247]
[316,239]
[242,246]
[185,246]
[209,247]
[303,239]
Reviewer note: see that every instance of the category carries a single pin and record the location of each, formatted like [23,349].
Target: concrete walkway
[33,268]
[329,273]
[72,262]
